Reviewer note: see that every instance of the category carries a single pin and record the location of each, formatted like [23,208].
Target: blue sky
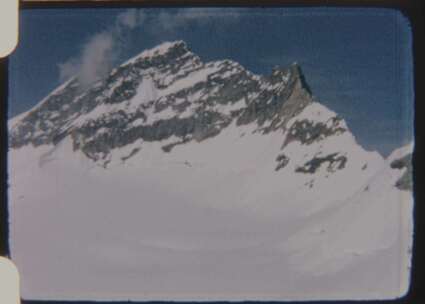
[358,62]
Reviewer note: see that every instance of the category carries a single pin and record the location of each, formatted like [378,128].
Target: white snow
[229,107]
[194,77]
[373,227]
[137,122]
[318,113]
[165,114]
[210,220]
[161,49]
[146,92]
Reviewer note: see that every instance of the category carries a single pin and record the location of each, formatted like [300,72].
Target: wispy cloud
[130,19]
[100,52]
[95,60]
[171,22]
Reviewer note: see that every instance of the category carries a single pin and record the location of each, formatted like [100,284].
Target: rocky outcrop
[405,182]
[332,161]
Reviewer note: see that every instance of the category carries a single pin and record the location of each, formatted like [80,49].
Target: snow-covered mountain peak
[167,95]
[173,48]
[232,165]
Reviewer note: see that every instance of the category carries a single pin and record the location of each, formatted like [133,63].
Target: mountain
[181,179]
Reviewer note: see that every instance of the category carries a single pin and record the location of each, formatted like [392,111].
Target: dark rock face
[132,153]
[403,162]
[308,132]
[282,160]
[406,181]
[277,106]
[197,127]
[334,162]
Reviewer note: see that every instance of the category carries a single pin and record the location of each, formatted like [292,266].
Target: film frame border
[413,10]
